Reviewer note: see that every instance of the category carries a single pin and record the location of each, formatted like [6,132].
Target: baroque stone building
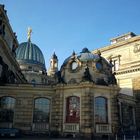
[83,98]
[124,53]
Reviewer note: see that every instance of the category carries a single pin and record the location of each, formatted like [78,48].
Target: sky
[65,26]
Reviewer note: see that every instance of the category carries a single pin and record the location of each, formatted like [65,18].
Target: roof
[28,52]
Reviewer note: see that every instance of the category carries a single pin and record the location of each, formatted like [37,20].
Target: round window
[74,65]
[99,66]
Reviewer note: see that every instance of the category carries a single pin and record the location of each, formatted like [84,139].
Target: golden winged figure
[29,33]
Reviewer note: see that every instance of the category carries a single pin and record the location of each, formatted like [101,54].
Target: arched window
[41,110]
[72,109]
[101,111]
[7,106]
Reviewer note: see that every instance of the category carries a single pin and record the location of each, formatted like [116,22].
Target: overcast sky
[66,25]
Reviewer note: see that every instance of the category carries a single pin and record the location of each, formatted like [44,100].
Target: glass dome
[29,53]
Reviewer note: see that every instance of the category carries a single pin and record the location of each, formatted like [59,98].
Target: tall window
[116,65]
[7,105]
[72,109]
[116,62]
[101,113]
[41,110]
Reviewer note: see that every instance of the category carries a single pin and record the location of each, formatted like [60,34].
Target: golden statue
[29,33]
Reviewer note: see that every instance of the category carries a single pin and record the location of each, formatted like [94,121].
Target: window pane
[41,110]
[101,110]
[72,109]
[7,105]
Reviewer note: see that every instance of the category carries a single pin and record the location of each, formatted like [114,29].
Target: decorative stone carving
[136,48]
[72,81]
[14,49]
[101,81]
[59,77]
[87,75]
[112,79]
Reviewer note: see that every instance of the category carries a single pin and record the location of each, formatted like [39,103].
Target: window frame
[68,118]
[106,110]
[8,109]
[49,110]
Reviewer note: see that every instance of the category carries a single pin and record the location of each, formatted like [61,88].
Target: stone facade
[136,90]
[82,99]
[24,107]
[9,68]
[124,53]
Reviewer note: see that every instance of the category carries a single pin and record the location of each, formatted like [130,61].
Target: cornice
[27,87]
[84,85]
[119,44]
[132,70]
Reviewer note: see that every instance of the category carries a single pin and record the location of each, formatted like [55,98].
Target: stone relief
[136,48]
[87,75]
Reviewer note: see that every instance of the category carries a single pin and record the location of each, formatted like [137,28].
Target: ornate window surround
[77,67]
